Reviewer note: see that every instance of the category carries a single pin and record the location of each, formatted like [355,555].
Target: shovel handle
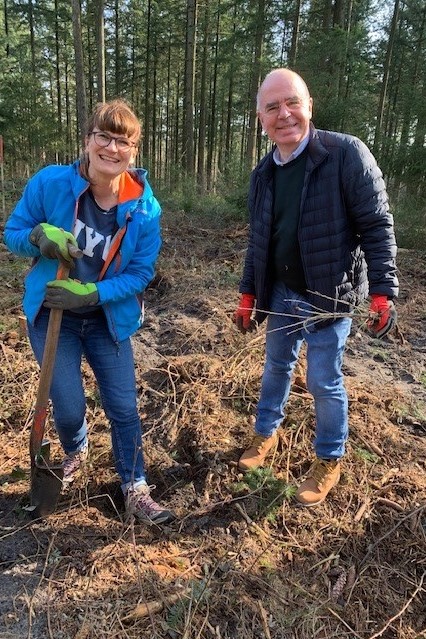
[47,364]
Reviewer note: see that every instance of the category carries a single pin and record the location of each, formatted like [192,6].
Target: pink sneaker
[140,504]
[73,463]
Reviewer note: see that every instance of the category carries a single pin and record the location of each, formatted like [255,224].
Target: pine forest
[191,70]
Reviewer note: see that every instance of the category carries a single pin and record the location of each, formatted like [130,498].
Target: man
[321,240]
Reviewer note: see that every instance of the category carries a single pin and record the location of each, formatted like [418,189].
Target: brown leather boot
[256,453]
[321,478]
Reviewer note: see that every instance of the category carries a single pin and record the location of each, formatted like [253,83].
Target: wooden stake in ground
[151,607]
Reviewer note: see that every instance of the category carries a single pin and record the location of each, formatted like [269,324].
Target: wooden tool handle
[47,364]
[50,346]
[52,337]
[46,373]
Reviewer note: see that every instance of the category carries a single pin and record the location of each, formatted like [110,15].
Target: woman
[109,211]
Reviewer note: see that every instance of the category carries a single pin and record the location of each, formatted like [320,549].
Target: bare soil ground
[242,561]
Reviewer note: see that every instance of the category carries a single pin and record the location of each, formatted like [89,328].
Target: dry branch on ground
[241,561]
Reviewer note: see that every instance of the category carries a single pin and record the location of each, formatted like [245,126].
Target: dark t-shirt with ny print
[94,229]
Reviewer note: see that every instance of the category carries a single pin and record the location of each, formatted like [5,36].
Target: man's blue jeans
[113,366]
[286,331]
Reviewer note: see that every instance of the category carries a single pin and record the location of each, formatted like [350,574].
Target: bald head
[284,108]
[282,75]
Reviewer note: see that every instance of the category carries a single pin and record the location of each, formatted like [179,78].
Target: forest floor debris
[242,561]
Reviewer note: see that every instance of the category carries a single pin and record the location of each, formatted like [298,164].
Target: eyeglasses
[103,140]
[292,104]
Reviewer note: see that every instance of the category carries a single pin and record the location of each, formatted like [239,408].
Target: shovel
[46,478]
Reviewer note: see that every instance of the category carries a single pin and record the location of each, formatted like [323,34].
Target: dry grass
[241,561]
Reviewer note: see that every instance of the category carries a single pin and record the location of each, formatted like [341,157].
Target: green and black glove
[69,294]
[53,242]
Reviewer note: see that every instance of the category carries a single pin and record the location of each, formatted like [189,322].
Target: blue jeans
[113,366]
[325,347]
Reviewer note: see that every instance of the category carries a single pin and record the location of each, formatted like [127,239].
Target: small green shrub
[366,455]
[270,491]
[198,595]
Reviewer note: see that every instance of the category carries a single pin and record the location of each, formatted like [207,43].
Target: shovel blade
[46,486]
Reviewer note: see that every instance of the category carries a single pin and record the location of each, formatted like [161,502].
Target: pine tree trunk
[100,48]
[79,71]
[6,27]
[254,83]
[295,35]
[201,175]
[58,73]
[384,85]
[188,121]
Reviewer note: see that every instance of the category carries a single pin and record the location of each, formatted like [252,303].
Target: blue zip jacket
[346,233]
[52,195]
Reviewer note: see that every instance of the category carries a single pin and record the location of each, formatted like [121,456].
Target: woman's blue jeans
[288,326]
[113,366]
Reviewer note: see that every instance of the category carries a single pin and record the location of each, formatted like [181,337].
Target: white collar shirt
[277,155]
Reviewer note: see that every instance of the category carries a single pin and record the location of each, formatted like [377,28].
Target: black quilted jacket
[346,234]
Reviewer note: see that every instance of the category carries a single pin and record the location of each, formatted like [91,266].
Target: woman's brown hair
[115,116]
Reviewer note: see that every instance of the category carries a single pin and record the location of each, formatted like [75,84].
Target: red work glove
[382,315]
[242,316]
